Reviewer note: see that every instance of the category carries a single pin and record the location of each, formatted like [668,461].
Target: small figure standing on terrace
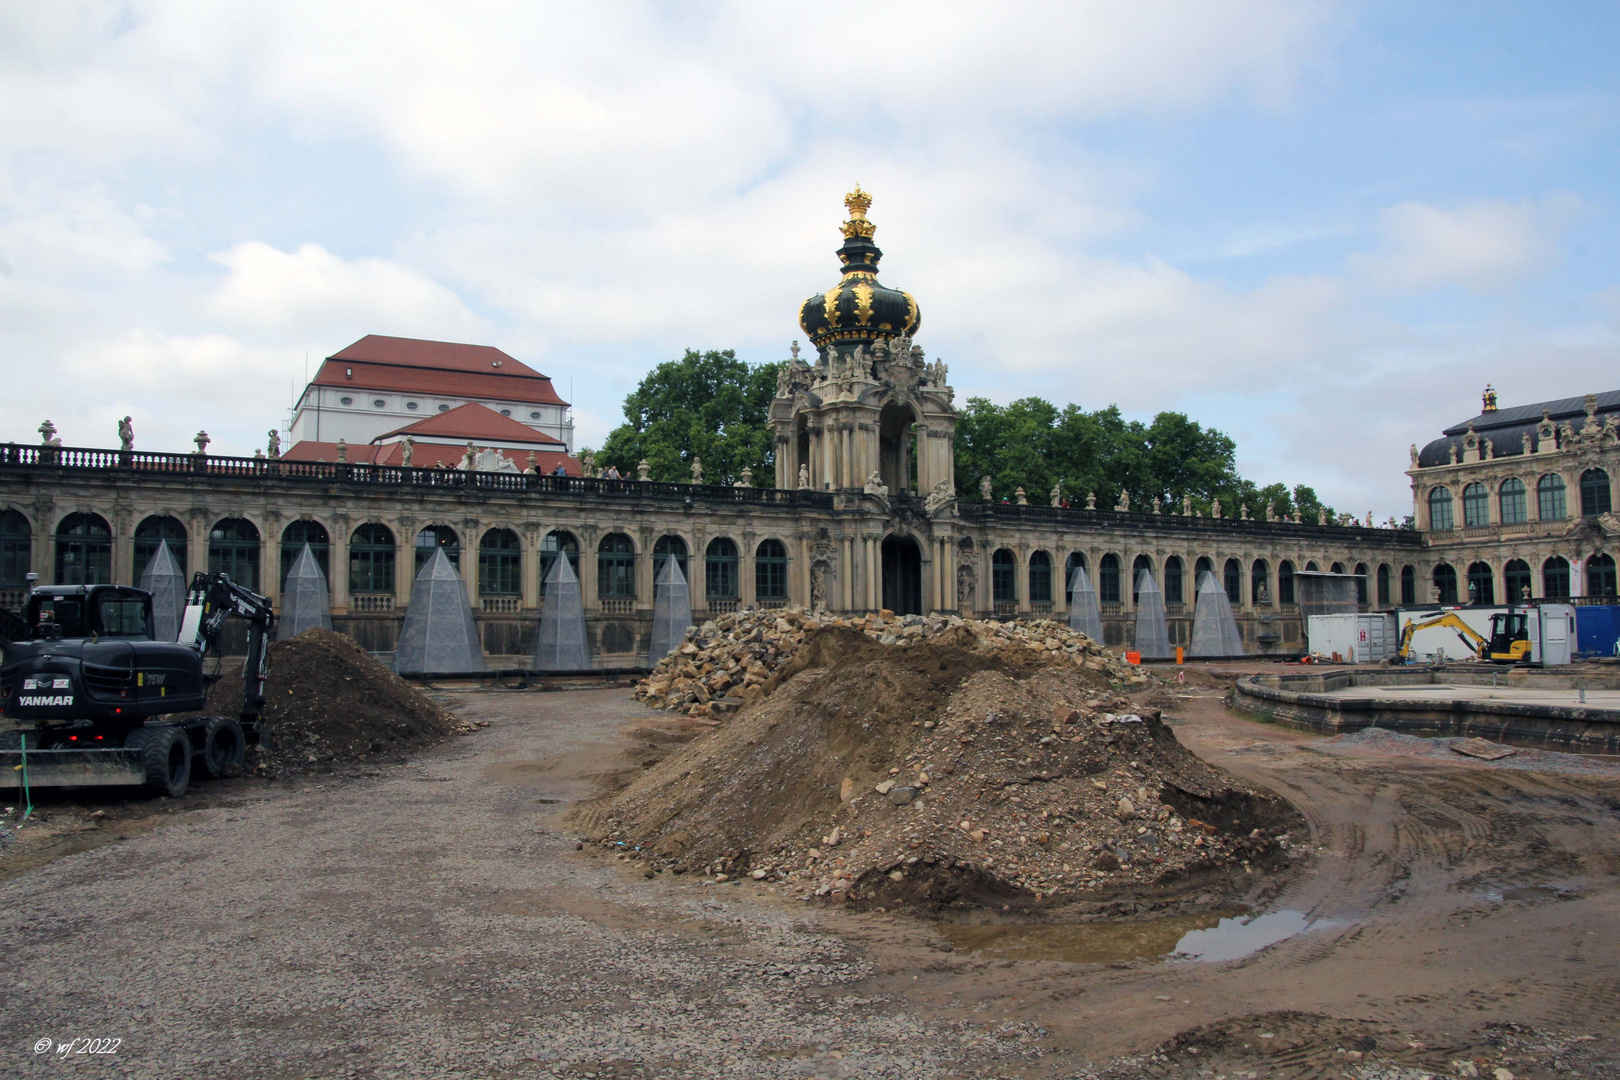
[985,488]
[697,470]
[275,444]
[612,473]
[202,440]
[126,434]
[1271,514]
[1186,506]
[1321,517]
[588,460]
[804,478]
[1215,508]
[1124,500]
[407,450]
[1056,494]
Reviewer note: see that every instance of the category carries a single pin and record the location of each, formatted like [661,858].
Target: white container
[1551,628]
[1356,639]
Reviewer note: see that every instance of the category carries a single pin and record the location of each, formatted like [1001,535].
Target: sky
[1319,227]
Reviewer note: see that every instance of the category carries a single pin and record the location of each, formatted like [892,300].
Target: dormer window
[379,403]
[534,416]
[345,401]
[444,408]
[411,405]
[506,412]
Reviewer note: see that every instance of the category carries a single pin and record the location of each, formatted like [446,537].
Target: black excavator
[87,697]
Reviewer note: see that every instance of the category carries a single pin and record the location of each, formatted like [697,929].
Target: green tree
[708,405]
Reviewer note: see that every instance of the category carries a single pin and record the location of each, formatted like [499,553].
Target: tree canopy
[708,405]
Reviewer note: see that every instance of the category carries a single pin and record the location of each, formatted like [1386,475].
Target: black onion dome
[859,308]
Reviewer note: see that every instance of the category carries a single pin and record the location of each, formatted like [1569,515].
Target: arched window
[720,570]
[441,537]
[616,568]
[1550,503]
[1555,578]
[153,531]
[1594,495]
[1174,592]
[83,550]
[1600,576]
[1234,581]
[1361,584]
[1481,584]
[1383,585]
[1440,509]
[1510,503]
[771,570]
[500,564]
[1075,559]
[1003,577]
[233,550]
[1200,568]
[1445,584]
[1285,582]
[1141,563]
[1476,506]
[554,542]
[1108,580]
[372,554]
[1516,579]
[1260,582]
[17,550]
[1336,568]
[1040,578]
[293,539]
[1408,586]
[666,547]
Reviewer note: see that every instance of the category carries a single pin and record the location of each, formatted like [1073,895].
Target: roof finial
[858,202]
[1489,399]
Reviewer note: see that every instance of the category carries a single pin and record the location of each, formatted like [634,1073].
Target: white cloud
[1482,246]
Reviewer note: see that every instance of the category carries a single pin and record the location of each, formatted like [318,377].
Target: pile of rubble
[723,664]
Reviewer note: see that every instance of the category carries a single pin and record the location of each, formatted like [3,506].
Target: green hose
[28,799]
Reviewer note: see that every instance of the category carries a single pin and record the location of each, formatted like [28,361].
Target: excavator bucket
[90,767]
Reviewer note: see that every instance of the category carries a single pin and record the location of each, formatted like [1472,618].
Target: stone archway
[902,575]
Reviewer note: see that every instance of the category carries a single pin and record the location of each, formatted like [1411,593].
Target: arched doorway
[896,462]
[902,575]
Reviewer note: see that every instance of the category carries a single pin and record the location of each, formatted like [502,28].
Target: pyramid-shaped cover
[1084,615]
[1152,632]
[561,644]
[305,601]
[438,637]
[1215,629]
[672,610]
[166,581]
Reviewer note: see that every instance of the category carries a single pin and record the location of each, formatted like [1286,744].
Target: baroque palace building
[865,512]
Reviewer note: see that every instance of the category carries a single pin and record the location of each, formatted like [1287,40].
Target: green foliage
[709,405]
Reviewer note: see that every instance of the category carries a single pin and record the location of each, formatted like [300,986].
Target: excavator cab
[1510,638]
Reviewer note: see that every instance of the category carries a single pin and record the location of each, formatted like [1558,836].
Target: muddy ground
[435,919]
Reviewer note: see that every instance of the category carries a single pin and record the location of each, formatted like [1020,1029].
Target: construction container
[1355,639]
[1551,628]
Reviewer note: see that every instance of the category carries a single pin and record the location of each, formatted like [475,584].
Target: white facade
[358,415]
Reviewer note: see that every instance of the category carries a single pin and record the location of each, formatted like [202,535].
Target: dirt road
[437,920]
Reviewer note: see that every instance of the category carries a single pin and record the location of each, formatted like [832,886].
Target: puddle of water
[1233,938]
[1526,894]
[1100,942]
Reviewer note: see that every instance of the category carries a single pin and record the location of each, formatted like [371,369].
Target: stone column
[404,563]
[846,576]
[196,542]
[123,542]
[337,564]
[529,573]
[41,557]
[697,574]
[745,570]
[799,575]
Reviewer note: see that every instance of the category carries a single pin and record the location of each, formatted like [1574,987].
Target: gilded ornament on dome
[830,302]
[911,313]
[863,303]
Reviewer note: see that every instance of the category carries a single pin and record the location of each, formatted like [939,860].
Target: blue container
[1597,629]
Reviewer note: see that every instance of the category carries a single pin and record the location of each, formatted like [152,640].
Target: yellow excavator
[1509,642]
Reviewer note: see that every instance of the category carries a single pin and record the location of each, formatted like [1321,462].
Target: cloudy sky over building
[1320,227]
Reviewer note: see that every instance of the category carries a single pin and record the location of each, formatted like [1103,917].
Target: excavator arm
[1477,643]
[213,599]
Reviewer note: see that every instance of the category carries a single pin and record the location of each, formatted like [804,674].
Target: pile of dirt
[961,771]
[723,664]
[330,704]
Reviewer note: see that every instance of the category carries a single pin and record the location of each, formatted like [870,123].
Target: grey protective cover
[1084,615]
[562,645]
[1152,633]
[438,637]
[166,581]
[305,602]
[672,610]
[1215,630]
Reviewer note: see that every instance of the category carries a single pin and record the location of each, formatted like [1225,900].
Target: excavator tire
[224,747]
[166,753]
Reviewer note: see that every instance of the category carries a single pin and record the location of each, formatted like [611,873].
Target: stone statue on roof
[275,444]
[407,450]
[126,434]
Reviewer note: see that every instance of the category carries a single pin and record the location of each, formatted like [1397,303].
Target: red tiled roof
[476,422]
[427,455]
[414,366]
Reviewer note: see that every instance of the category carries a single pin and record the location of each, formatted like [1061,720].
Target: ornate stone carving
[126,434]
[1124,500]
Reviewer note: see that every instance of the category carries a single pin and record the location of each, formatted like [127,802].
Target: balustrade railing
[773,605]
[501,605]
[371,603]
[723,607]
[1040,611]
[618,605]
[1006,608]
[1112,609]
[1127,519]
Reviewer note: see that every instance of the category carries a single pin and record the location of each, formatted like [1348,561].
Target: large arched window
[1311,567]
[500,564]
[1550,504]
[1440,508]
[1600,576]
[1200,568]
[1383,585]
[1445,584]
[1408,586]
[1516,579]
[1260,582]
[83,550]
[153,531]
[1075,559]
[1285,582]
[1174,589]
[720,569]
[1476,506]
[1003,577]
[1555,578]
[1108,580]
[1481,584]
[1336,568]
[233,550]
[1040,578]
[616,567]
[770,571]
[1510,503]
[372,553]
[441,537]
[666,547]
[1139,564]
[555,542]
[1361,584]
[17,550]
[1234,582]
[293,539]
[1595,495]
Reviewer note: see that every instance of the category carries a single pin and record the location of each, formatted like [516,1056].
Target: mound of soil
[963,771]
[330,704]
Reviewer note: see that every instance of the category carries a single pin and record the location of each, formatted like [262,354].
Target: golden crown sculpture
[857,203]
